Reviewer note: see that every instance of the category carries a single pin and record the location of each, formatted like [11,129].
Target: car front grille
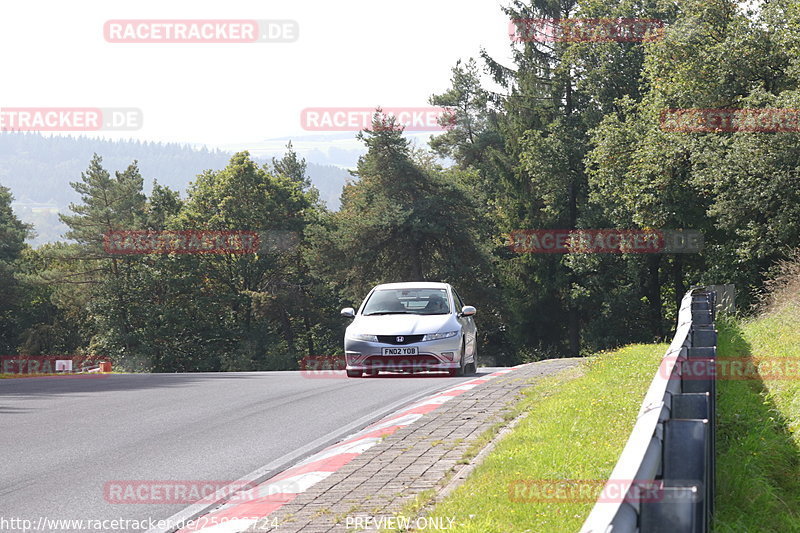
[401,361]
[393,339]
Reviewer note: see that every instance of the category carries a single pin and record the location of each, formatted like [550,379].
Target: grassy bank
[758,443]
[576,426]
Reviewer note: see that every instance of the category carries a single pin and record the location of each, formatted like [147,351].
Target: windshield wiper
[389,313]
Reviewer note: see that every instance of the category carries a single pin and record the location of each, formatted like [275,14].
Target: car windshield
[407,301]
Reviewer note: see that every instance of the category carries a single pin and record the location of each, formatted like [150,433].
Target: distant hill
[38,170]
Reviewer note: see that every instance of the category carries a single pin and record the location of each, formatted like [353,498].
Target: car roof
[413,285]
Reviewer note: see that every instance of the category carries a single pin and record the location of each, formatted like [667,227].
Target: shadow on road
[392,375]
[54,385]
[57,385]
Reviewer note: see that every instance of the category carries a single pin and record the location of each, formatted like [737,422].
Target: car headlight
[363,337]
[437,336]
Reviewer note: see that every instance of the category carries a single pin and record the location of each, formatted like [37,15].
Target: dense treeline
[572,141]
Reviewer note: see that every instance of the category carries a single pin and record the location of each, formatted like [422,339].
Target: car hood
[403,324]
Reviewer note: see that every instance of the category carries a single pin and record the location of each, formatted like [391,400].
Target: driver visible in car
[436,305]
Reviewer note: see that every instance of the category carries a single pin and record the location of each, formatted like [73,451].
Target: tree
[400,221]
[108,204]
[12,243]
[540,175]
[469,119]
[291,167]
[734,186]
[250,304]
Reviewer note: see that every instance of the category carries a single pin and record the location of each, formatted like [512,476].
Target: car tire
[354,373]
[461,370]
[473,366]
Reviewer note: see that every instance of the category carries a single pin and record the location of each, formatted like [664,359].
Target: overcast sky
[348,54]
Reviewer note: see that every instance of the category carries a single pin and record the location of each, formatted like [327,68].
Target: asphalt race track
[64,438]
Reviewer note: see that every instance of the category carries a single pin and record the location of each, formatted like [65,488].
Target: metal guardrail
[672,443]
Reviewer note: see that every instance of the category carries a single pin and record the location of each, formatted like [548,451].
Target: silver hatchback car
[411,327]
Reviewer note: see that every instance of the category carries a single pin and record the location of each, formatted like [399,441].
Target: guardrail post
[675,512]
[703,345]
[686,459]
[703,336]
[695,405]
[704,342]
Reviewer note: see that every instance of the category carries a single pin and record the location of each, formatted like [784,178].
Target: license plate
[410,350]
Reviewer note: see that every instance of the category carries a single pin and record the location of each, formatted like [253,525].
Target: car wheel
[354,373]
[473,366]
[460,371]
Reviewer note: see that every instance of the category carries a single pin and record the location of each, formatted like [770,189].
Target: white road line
[358,446]
[290,485]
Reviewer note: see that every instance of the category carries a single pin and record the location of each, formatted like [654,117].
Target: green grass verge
[758,472]
[576,426]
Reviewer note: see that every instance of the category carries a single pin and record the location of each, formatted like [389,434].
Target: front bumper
[443,355]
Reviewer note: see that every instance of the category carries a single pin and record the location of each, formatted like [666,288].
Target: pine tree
[12,242]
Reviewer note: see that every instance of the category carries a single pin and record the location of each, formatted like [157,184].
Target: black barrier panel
[705,384]
[678,512]
[687,455]
[701,318]
[691,384]
[703,336]
[691,406]
[685,449]
[707,352]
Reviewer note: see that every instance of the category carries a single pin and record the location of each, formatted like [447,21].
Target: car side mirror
[348,312]
[468,310]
